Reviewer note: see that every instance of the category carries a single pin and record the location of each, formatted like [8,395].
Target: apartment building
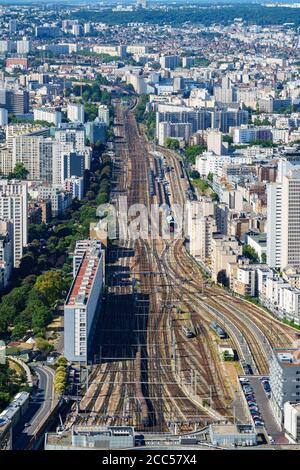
[50,115]
[284,380]
[103,114]
[36,154]
[83,305]
[14,208]
[283,215]
[6,253]
[225,250]
[75,112]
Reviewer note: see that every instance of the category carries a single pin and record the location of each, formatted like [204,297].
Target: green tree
[172,144]
[250,253]
[50,286]
[20,172]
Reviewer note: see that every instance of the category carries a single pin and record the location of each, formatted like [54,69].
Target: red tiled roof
[79,284]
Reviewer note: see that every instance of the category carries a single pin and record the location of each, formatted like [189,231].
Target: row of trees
[61,374]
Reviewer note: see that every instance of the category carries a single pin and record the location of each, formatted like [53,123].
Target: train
[16,409]
[145,419]
[159,169]
[181,169]
[188,332]
[171,223]
[152,190]
[218,330]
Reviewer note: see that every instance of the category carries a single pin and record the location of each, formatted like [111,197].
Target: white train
[16,409]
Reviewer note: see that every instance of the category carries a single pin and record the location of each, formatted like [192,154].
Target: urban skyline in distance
[149,229]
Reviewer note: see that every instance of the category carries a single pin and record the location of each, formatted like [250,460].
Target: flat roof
[290,357]
[233,429]
[82,285]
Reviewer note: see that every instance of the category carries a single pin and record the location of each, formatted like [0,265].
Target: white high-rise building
[47,114]
[290,252]
[13,207]
[87,28]
[3,117]
[103,114]
[24,46]
[283,215]
[6,252]
[83,305]
[36,154]
[71,134]
[75,112]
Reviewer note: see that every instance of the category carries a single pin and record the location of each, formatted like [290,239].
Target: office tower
[13,207]
[75,112]
[12,26]
[103,114]
[15,101]
[83,304]
[36,154]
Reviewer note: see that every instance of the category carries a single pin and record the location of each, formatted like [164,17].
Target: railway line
[155,395]
[149,375]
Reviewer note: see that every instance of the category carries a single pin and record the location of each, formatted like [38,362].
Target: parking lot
[259,406]
[272,428]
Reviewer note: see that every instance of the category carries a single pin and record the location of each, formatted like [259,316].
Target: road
[42,401]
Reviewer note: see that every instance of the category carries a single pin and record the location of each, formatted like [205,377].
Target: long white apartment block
[83,303]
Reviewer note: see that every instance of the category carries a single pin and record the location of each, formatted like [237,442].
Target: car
[258,422]
[253,407]
[262,379]
[27,425]
[243,380]
[252,402]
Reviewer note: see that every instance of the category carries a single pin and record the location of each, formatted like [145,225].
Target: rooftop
[230,429]
[83,282]
[288,356]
